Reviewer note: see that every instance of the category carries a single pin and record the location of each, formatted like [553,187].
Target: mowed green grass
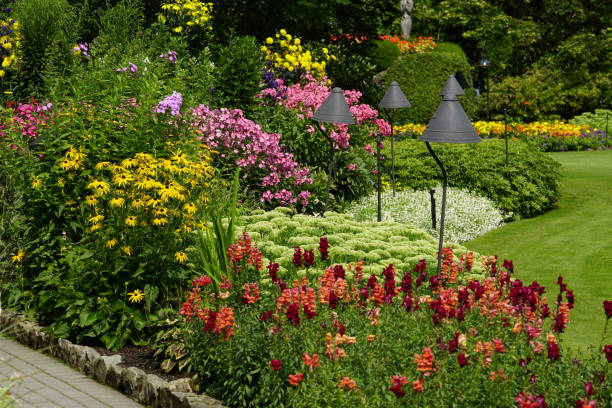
[574,241]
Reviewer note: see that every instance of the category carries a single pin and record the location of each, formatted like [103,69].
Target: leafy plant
[528,186]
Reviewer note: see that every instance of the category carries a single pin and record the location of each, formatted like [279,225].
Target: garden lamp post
[449,124]
[485,64]
[394,98]
[333,110]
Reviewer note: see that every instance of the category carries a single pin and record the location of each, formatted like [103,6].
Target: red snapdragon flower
[586,404]
[324,248]
[524,400]
[311,361]
[608,352]
[397,383]
[308,258]
[276,364]
[462,360]
[417,385]
[296,379]
[553,351]
[608,308]
[297,256]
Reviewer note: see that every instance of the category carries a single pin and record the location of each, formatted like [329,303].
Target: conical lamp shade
[334,109]
[394,97]
[450,124]
[452,87]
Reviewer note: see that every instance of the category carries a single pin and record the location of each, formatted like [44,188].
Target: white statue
[406,8]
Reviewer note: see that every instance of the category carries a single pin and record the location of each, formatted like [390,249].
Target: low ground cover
[572,240]
[467,215]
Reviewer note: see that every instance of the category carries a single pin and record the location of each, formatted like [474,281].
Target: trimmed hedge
[421,77]
[527,187]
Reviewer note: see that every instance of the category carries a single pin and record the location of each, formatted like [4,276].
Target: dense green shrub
[421,77]
[378,244]
[527,187]
[385,54]
[238,73]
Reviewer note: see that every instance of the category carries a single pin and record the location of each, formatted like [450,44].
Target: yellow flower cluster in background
[556,129]
[10,44]
[185,14]
[409,128]
[286,53]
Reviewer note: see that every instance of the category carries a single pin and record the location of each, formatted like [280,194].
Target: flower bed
[342,337]
[547,136]
[378,244]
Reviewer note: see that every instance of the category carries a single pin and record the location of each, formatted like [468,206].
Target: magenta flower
[276,364]
[351,167]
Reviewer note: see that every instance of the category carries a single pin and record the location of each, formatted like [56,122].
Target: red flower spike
[607,304]
[608,352]
[586,404]
[276,364]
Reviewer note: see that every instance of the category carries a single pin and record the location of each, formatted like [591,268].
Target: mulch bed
[140,357]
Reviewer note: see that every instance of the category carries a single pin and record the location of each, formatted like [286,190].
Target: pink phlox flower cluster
[169,56]
[133,68]
[28,117]
[171,102]
[307,96]
[243,140]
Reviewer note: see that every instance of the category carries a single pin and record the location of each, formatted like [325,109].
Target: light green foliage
[600,119]
[378,244]
[467,215]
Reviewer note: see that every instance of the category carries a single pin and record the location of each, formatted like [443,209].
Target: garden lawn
[574,240]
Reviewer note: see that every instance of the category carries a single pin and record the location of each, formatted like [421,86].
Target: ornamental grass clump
[467,215]
[346,338]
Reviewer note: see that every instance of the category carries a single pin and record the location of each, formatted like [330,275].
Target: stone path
[48,383]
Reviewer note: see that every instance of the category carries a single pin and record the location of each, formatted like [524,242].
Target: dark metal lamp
[333,110]
[394,98]
[449,124]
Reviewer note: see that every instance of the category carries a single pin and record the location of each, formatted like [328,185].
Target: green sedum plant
[276,232]
[467,215]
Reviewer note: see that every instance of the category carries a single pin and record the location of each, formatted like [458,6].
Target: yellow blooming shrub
[286,53]
[10,41]
[183,15]
[146,201]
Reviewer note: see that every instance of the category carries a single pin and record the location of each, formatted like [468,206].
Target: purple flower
[170,56]
[172,102]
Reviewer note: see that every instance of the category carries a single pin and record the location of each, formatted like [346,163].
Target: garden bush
[378,244]
[527,187]
[467,215]
[334,335]
[596,120]
[421,77]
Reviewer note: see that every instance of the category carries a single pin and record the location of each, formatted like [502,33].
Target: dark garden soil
[140,357]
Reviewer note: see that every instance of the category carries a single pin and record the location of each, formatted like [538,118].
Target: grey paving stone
[48,383]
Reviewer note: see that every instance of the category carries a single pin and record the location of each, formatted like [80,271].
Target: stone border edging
[147,389]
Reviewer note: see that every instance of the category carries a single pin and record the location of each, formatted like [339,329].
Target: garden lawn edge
[147,389]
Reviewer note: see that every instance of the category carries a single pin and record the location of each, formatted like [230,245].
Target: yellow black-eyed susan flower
[136,296]
[131,221]
[18,257]
[111,243]
[181,257]
[127,250]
